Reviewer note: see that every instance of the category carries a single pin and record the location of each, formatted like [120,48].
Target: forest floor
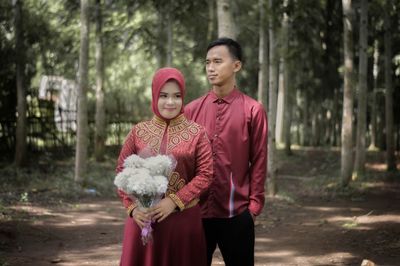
[45,219]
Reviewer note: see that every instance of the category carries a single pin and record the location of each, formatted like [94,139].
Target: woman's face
[170,100]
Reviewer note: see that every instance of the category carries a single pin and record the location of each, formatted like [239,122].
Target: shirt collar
[227,99]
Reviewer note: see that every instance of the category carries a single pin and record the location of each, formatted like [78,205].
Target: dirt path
[311,232]
[302,226]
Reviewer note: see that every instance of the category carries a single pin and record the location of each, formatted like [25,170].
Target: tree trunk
[374,112]
[273,84]
[262,58]
[305,129]
[347,120]
[211,18]
[169,37]
[82,116]
[162,39]
[287,85]
[359,167]
[20,147]
[390,157]
[226,24]
[280,108]
[101,134]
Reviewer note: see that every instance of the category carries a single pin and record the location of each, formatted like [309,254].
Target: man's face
[221,66]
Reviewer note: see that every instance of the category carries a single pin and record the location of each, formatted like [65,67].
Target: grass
[52,181]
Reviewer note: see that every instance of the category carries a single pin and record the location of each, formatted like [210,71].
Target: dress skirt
[177,241]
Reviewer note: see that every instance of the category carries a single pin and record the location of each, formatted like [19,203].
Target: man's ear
[237,65]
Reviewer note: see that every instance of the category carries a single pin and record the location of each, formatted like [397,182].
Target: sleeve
[188,111]
[203,174]
[128,148]
[258,159]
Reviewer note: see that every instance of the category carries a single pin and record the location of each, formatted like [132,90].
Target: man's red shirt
[238,130]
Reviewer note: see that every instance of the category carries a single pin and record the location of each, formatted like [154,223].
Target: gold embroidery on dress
[180,130]
[151,134]
[175,183]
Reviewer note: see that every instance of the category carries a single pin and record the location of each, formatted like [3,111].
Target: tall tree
[374,107]
[359,166]
[211,19]
[100,131]
[287,84]
[226,24]
[82,116]
[390,157]
[262,57]
[170,35]
[347,123]
[273,87]
[20,148]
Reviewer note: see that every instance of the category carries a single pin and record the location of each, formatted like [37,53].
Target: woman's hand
[164,208]
[141,216]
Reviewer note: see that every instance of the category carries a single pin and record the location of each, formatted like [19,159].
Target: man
[237,127]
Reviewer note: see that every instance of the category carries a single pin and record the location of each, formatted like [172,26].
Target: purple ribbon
[147,232]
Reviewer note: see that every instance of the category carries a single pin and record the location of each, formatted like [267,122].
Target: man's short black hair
[234,47]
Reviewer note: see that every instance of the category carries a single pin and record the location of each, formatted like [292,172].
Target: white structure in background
[63,92]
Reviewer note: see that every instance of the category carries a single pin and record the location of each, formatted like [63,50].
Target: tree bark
[374,111]
[20,145]
[390,157]
[169,36]
[211,18]
[262,58]
[226,24]
[273,84]
[347,119]
[287,85]
[100,118]
[82,116]
[359,166]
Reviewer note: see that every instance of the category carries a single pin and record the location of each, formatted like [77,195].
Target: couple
[220,144]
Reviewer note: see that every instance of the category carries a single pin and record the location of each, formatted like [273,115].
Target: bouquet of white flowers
[145,180]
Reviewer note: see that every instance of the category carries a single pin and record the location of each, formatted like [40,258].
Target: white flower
[161,183]
[133,161]
[158,165]
[145,179]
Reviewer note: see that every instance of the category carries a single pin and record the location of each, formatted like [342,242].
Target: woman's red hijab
[160,78]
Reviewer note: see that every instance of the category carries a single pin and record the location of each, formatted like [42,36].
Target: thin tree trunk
[211,18]
[272,171]
[226,24]
[20,147]
[280,108]
[359,167]
[162,38]
[100,136]
[305,130]
[347,120]
[169,35]
[390,157]
[82,125]
[287,84]
[262,58]
[374,111]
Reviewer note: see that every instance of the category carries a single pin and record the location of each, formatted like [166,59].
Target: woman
[177,233]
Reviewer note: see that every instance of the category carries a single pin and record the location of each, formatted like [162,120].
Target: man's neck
[224,90]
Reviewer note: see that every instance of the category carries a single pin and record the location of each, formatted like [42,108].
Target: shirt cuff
[254,209]
[177,201]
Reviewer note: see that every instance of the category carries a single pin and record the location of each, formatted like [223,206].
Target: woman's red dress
[179,239]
